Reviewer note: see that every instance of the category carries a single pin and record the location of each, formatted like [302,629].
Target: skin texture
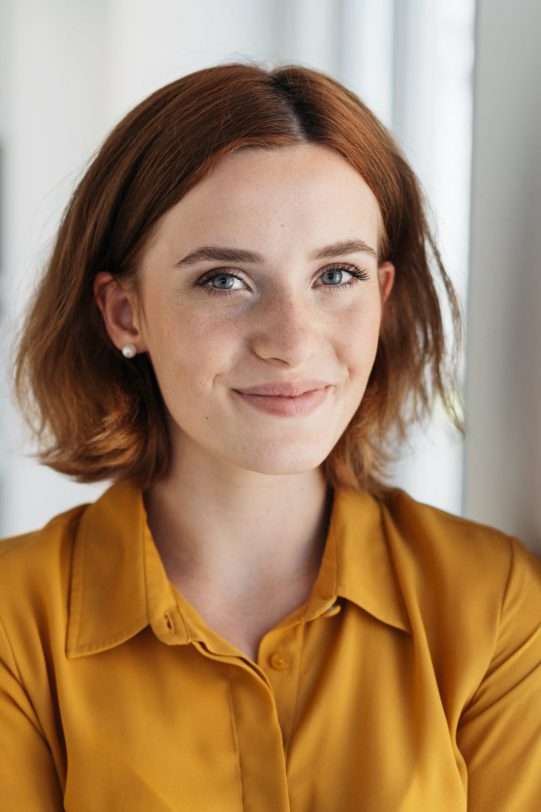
[243,510]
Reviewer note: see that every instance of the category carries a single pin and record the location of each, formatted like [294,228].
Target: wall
[502,475]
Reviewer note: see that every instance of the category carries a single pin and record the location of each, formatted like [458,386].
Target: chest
[339,715]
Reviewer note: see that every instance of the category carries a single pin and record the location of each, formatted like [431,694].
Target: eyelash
[358,274]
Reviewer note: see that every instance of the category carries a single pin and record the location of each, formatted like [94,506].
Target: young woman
[238,322]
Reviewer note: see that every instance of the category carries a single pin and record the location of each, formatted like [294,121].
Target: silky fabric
[410,681]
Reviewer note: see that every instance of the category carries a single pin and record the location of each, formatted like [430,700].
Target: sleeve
[28,779]
[499,733]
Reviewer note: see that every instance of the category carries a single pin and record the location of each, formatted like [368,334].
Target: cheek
[360,329]
[187,352]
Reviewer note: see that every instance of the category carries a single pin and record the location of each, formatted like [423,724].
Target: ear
[386,274]
[118,305]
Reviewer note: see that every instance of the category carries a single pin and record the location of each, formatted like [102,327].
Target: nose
[286,329]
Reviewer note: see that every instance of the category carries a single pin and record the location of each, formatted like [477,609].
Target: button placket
[280,655]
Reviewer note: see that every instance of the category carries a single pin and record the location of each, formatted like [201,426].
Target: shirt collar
[119,585]
[365,572]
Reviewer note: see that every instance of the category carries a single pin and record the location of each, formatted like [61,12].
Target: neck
[227,527]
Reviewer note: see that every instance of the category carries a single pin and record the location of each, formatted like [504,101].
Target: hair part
[97,417]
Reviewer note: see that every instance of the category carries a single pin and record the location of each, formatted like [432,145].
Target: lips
[286,405]
[292,389]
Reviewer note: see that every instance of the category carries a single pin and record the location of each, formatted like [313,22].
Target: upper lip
[286,390]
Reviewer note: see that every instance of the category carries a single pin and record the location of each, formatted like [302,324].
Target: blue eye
[335,272]
[338,271]
[223,278]
[223,288]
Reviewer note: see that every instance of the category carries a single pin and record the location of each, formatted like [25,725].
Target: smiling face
[292,297]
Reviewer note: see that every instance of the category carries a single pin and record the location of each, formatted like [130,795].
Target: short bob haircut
[97,416]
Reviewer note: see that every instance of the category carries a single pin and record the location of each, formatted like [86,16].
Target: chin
[276,464]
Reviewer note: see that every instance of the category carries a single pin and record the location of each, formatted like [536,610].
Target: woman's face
[265,273]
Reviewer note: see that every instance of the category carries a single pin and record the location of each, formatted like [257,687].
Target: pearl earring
[129,351]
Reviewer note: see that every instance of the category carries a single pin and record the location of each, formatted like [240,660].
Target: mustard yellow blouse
[409,682]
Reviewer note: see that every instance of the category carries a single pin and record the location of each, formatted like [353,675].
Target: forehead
[289,194]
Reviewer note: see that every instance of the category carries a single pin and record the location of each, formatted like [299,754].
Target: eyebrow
[222,254]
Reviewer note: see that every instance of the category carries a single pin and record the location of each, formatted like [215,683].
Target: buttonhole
[169,623]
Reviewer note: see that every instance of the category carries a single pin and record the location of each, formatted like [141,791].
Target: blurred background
[458,84]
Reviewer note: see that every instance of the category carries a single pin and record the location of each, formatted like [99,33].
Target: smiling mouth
[290,389]
[286,405]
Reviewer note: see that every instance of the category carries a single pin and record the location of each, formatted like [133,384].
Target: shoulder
[459,572]
[435,538]
[35,588]
[39,544]
[35,566]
